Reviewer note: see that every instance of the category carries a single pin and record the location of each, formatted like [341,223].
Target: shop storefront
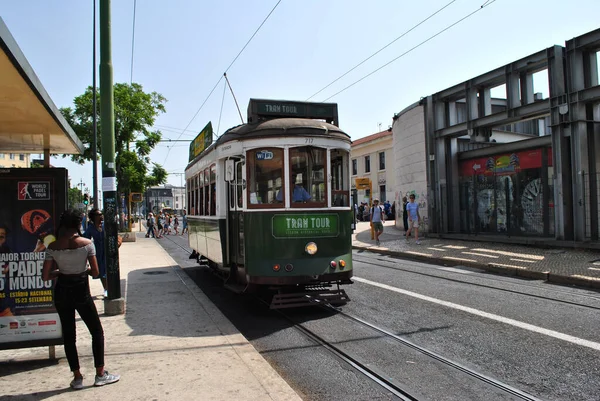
[510,194]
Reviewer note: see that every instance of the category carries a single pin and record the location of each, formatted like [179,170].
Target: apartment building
[372,157]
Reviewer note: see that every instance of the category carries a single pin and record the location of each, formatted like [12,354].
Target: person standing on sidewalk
[377,219]
[66,260]
[413,218]
[405,213]
[95,232]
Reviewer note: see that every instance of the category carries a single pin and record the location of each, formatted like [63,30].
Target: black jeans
[72,293]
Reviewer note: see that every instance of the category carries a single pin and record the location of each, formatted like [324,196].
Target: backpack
[380,208]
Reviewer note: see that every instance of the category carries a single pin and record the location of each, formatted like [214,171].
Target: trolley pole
[114,304]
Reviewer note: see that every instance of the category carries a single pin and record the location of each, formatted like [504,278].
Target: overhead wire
[221,112]
[221,77]
[485,5]
[383,48]
[132,42]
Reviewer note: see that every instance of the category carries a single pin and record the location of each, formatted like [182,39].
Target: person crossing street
[377,219]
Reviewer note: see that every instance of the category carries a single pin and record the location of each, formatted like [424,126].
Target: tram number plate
[305,225]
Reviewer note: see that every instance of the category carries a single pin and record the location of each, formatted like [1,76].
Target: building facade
[524,164]
[10,160]
[372,157]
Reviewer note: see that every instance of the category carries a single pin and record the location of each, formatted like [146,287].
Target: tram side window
[206,188]
[190,197]
[199,183]
[308,173]
[265,177]
[213,190]
[340,182]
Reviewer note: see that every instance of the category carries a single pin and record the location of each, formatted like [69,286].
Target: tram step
[305,298]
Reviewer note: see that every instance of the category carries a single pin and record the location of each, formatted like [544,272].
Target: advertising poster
[31,202]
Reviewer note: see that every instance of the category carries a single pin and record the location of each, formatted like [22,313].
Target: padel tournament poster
[31,202]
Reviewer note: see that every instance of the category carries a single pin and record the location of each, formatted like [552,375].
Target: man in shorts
[377,219]
[413,218]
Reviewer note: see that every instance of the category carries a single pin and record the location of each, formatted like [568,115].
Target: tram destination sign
[305,225]
[202,141]
[286,109]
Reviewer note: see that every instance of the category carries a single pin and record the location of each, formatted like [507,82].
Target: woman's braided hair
[69,220]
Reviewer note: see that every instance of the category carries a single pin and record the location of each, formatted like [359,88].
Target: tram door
[236,215]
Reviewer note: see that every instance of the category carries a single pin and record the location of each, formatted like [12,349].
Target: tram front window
[308,172]
[340,182]
[265,177]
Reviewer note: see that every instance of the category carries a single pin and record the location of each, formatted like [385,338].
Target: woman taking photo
[66,259]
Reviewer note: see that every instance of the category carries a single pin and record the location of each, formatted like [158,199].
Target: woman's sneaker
[77,384]
[106,378]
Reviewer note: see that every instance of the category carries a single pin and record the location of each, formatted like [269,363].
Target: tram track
[455,280]
[479,376]
[384,379]
[372,373]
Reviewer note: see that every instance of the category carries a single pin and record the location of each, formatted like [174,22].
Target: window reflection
[340,183]
[308,174]
[265,177]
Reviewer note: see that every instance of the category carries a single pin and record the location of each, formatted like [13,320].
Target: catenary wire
[221,77]
[380,50]
[221,112]
[485,5]
[132,42]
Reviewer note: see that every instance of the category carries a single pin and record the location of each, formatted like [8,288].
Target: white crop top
[71,261]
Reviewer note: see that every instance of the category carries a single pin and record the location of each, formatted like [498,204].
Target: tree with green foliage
[74,197]
[135,114]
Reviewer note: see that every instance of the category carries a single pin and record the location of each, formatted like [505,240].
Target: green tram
[269,203]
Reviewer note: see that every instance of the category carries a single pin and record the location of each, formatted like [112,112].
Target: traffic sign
[136,197]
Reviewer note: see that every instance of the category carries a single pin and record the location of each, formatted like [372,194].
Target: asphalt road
[538,338]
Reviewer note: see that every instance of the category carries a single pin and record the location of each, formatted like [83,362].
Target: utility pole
[114,304]
[95,118]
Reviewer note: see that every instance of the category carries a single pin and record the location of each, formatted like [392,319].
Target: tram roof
[281,127]
[276,128]
[30,122]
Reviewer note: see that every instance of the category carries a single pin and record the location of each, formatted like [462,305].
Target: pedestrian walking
[377,219]
[66,260]
[161,225]
[95,232]
[413,218]
[150,226]
[405,213]
[176,225]
[184,227]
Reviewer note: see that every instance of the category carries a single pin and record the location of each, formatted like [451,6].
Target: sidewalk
[558,265]
[171,344]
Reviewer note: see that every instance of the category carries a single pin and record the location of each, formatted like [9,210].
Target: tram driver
[299,194]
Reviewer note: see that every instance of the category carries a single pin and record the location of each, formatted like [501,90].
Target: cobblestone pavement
[558,265]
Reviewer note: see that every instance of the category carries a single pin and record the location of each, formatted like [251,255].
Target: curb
[579,281]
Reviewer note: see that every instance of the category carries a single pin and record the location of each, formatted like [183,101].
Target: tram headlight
[276,267]
[342,263]
[311,248]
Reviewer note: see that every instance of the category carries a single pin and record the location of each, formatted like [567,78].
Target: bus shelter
[31,199]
